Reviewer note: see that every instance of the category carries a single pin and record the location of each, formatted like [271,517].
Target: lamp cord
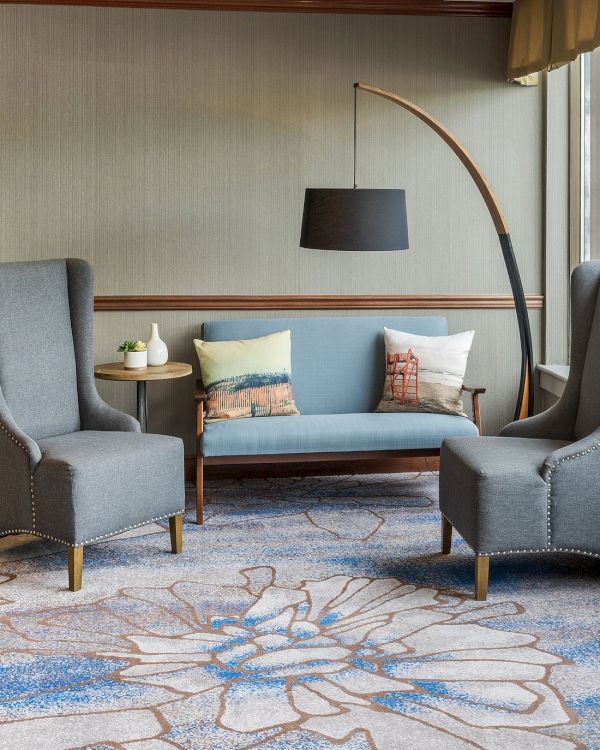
[354,173]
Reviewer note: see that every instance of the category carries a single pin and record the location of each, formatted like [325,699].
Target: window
[586,167]
[585,133]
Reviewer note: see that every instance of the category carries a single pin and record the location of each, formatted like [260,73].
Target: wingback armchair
[536,487]
[72,468]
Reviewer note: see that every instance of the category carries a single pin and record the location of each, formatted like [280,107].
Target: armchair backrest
[38,372]
[585,355]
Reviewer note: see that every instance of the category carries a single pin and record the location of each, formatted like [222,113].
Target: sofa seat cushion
[90,483]
[492,489]
[331,433]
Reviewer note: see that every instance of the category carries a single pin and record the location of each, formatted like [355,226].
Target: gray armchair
[536,487]
[72,468]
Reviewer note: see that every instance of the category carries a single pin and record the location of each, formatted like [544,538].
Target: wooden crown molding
[117,303]
[387,7]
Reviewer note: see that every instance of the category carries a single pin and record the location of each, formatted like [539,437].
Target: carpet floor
[306,614]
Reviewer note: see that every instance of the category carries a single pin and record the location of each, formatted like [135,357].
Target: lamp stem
[524,406]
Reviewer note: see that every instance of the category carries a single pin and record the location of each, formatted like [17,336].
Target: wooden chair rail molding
[389,7]
[117,303]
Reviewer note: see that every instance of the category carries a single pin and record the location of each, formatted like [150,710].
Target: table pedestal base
[142,405]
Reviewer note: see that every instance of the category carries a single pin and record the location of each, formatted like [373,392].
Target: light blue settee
[338,370]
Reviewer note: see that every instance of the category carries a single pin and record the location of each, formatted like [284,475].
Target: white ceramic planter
[135,360]
[157,349]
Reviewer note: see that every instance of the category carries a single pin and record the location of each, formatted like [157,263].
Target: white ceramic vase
[158,353]
[135,360]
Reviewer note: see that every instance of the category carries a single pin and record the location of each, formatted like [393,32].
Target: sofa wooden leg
[199,490]
[446,535]
[75,558]
[176,531]
[482,572]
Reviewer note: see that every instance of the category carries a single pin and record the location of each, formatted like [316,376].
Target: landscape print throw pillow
[424,373]
[248,378]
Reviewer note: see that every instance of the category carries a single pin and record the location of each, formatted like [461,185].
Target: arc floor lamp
[372,219]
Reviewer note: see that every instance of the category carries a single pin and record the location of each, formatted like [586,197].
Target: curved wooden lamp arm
[468,162]
[524,406]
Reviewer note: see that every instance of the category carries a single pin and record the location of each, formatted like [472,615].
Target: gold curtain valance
[548,33]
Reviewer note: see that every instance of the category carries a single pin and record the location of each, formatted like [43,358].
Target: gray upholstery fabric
[95,414]
[537,486]
[19,457]
[588,414]
[15,435]
[493,492]
[573,477]
[92,483]
[72,468]
[37,359]
[558,422]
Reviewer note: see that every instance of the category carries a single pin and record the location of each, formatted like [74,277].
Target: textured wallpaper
[171,149]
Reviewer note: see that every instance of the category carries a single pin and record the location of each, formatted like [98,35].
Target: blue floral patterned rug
[307,614]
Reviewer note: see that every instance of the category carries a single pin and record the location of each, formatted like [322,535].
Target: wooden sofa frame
[200,399]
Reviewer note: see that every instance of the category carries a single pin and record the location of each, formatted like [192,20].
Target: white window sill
[553,378]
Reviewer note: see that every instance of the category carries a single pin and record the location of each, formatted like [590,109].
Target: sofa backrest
[338,363]
[38,374]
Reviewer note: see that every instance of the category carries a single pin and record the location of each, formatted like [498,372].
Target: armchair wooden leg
[199,489]
[75,557]
[176,531]
[482,572]
[446,535]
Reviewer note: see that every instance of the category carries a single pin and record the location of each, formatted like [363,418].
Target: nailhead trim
[96,538]
[24,449]
[549,507]
[544,549]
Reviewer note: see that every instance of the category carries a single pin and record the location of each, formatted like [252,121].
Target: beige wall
[172,149]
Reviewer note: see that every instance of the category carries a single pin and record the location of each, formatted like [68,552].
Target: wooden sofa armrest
[200,393]
[200,398]
[474,390]
[475,393]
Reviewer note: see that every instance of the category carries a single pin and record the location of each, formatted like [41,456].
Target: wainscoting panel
[315,302]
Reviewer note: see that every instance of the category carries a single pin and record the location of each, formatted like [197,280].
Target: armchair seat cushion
[492,490]
[331,433]
[91,484]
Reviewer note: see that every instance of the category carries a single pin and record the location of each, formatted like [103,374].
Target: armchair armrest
[556,423]
[574,457]
[14,436]
[96,414]
[19,459]
[475,392]
[572,474]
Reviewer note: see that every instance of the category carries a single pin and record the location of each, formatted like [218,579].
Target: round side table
[116,371]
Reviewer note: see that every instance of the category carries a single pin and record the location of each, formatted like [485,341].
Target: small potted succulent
[135,356]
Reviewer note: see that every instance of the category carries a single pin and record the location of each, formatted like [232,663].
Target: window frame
[580,164]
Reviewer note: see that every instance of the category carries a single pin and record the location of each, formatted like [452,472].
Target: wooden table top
[116,371]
